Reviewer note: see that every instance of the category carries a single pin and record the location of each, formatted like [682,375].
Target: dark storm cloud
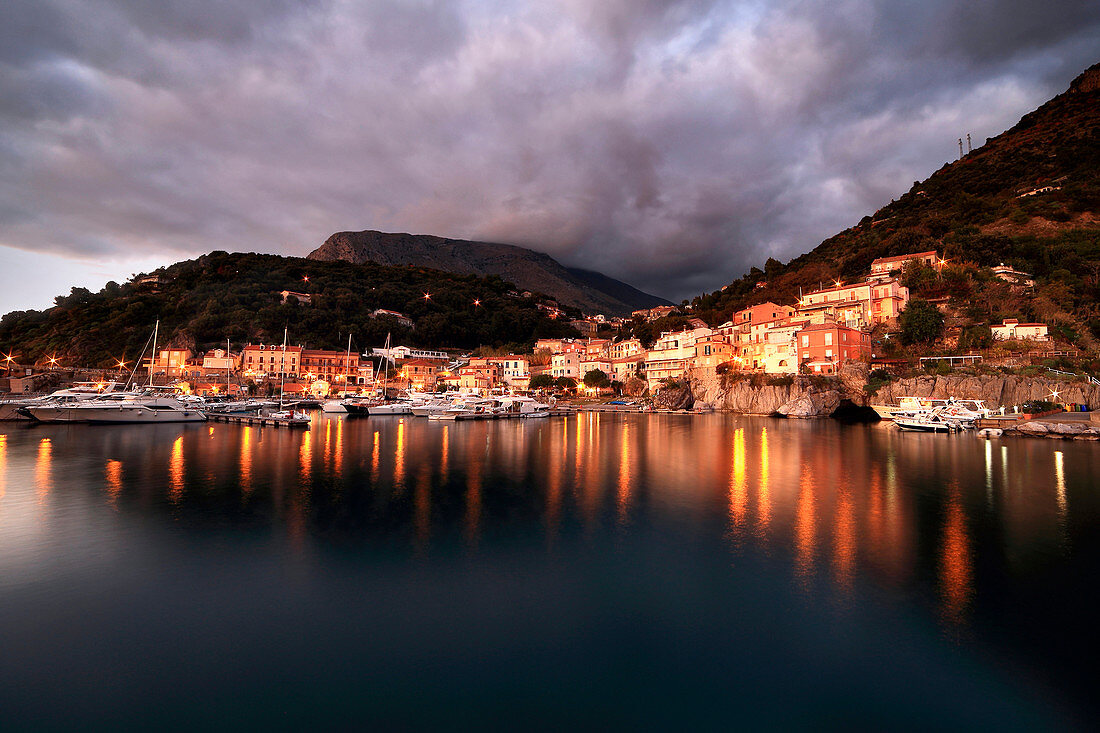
[671,143]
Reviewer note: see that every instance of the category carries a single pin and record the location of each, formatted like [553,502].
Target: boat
[333,406]
[930,421]
[521,406]
[79,392]
[910,406]
[397,407]
[294,417]
[118,408]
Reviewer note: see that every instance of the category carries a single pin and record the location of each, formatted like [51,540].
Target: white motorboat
[295,417]
[521,406]
[966,409]
[79,392]
[334,407]
[931,421]
[400,407]
[119,408]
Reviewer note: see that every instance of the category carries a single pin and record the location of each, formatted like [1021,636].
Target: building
[1012,330]
[627,348]
[480,375]
[422,374]
[595,363]
[400,353]
[271,360]
[401,318]
[566,364]
[856,305]
[1015,277]
[303,298]
[652,314]
[586,327]
[626,367]
[670,356]
[883,266]
[220,360]
[824,347]
[515,371]
[712,350]
[172,362]
[334,367]
[780,353]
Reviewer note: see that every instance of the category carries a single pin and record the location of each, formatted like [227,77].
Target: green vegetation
[596,378]
[202,302]
[974,213]
[921,322]
[541,381]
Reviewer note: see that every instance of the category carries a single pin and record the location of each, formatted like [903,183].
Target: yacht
[520,406]
[936,420]
[80,391]
[118,408]
[910,406]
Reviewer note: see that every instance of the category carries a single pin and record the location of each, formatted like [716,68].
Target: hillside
[202,302]
[1029,197]
[535,271]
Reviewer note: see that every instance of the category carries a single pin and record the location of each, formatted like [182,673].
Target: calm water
[653,570]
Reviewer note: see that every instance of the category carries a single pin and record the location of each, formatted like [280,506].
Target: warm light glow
[113,473]
[1060,481]
[42,468]
[427,296]
[738,491]
[175,472]
[477,302]
[305,278]
[956,574]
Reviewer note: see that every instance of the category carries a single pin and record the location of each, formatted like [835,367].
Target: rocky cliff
[796,396]
[995,391]
[803,396]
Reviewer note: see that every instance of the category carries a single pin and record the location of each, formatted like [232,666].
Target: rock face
[674,398]
[802,397]
[1064,430]
[995,391]
[529,270]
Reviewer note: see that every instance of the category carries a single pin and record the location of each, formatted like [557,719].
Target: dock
[260,420]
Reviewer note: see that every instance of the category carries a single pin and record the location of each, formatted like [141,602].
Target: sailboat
[386,407]
[336,405]
[291,415]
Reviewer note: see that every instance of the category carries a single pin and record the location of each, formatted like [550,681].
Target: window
[828,353]
[805,341]
[829,339]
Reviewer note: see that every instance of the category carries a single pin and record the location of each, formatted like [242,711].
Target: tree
[565,383]
[541,381]
[921,322]
[596,378]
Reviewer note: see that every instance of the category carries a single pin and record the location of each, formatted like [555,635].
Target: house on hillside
[883,266]
[303,298]
[1012,330]
[824,347]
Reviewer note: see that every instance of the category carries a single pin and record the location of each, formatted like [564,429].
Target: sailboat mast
[153,357]
[282,370]
[347,365]
[228,358]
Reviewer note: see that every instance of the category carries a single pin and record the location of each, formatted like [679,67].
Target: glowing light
[305,278]
[427,296]
[1060,481]
[1054,394]
[175,472]
[477,302]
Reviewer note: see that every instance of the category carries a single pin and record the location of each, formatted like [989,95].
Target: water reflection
[42,478]
[112,473]
[838,506]
[955,561]
[175,472]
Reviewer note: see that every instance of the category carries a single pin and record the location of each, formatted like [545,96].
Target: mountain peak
[527,269]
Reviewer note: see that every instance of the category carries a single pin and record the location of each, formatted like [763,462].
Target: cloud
[671,143]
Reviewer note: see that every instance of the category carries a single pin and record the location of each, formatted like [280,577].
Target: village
[820,333]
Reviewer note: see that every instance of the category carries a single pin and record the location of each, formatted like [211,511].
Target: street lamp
[427,296]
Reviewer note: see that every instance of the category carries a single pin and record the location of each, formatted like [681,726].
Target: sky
[670,143]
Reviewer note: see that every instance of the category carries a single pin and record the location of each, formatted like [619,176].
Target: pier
[261,420]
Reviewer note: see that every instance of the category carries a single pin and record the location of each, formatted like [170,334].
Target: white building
[567,364]
[1012,329]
